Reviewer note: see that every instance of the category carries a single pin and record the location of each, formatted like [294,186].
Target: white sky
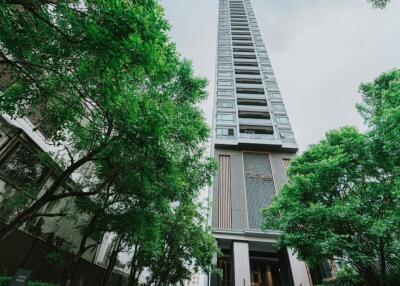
[321,50]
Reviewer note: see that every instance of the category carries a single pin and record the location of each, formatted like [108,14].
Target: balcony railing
[257,122]
[252,108]
[257,136]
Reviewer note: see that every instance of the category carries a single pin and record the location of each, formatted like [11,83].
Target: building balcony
[247,70]
[246,61]
[250,86]
[257,136]
[243,52]
[255,122]
[250,96]
[248,76]
[247,35]
[240,41]
[252,108]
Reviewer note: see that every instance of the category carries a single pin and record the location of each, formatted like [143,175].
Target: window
[225,104]
[256,130]
[246,71]
[287,134]
[224,53]
[274,94]
[269,76]
[225,74]
[243,50]
[272,85]
[225,117]
[224,83]
[249,80]
[224,132]
[279,107]
[23,167]
[240,56]
[246,64]
[224,59]
[224,92]
[35,116]
[283,120]
[224,66]
[254,115]
[254,102]
[250,90]
[241,39]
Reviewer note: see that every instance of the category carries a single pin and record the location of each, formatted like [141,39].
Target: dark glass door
[265,273]
[224,264]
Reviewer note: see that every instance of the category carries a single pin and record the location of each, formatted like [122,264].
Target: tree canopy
[108,89]
[379,3]
[342,196]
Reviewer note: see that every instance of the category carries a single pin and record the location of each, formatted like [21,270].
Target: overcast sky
[321,50]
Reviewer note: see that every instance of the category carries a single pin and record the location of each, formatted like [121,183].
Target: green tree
[187,246]
[104,75]
[380,108]
[379,3]
[342,197]
[112,91]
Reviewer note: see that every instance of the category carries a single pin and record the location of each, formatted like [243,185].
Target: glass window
[274,94]
[22,167]
[283,120]
[272,85]
[224,53]
[224,59]
[225,74]
[279,107]
[225,92]
[225,117]
[225,83]
[287,134]
[225,104]
[225,132]
[225,66]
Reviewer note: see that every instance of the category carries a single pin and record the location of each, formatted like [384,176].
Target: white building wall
[299,270]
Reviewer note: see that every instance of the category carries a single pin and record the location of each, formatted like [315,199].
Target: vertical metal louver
[260,187]
[224,196]
[286,164]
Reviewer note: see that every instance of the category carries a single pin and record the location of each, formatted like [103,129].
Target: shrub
[4,281]
[346,277]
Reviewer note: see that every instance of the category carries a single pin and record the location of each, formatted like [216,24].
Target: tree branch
[48,215]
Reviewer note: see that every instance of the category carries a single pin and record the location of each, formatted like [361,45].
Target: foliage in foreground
[113,96]
[342,197]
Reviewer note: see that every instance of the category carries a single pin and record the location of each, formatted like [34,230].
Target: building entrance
[265,273]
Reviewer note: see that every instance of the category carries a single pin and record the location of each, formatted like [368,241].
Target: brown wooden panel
[224,193]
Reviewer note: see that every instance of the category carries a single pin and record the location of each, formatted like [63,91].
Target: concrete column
[241,264]
[299,271]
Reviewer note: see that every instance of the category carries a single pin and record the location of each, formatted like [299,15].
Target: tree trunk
[369,275]
[382,262]
[28,213]
[111,263]
[73,266]
[132,275]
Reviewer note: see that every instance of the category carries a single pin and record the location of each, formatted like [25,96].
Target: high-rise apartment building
[253,144]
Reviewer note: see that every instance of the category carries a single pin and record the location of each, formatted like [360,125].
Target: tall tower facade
[253,144]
